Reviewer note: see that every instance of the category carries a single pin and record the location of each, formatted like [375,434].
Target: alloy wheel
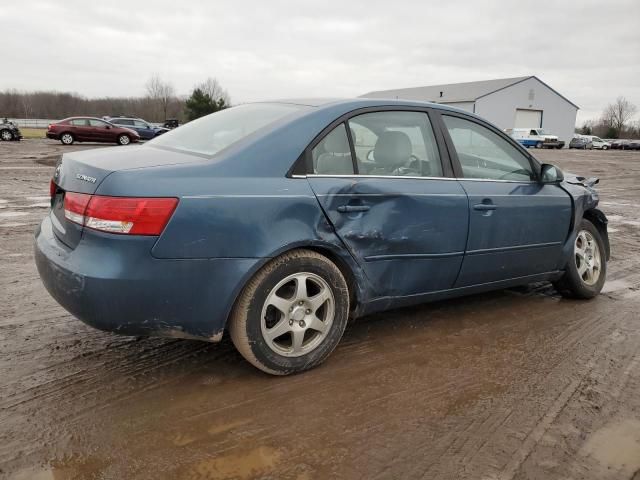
[297,314]
[67,139]
[588,258]
[6,135]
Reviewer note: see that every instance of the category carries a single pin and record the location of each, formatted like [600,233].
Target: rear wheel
[124,139]
[66,139]
[538,144]
[586,272]
[605,147]
[6,135]
[292,314]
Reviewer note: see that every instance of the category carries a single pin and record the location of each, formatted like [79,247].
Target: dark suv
[146,130]
[9,131]
[89,129]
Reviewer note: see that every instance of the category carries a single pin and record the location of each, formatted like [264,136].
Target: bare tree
[160,93]
[212,87]
[617,114]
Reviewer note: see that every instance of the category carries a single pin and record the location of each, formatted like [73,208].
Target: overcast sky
[261,49]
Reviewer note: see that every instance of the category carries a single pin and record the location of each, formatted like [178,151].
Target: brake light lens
[123,215]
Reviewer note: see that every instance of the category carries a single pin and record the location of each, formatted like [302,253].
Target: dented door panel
[407,234]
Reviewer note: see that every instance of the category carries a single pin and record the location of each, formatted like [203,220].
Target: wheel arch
[599,220]
[359,289]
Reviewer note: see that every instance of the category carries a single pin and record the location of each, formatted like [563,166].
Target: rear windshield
[208,135]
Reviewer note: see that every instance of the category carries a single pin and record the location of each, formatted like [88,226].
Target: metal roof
[455,92]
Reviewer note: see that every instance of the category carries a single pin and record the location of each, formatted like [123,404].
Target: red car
[87,129]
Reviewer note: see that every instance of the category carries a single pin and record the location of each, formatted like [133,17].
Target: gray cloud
[587,50]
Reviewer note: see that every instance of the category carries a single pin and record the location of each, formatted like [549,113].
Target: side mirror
[550,174]
[107,127]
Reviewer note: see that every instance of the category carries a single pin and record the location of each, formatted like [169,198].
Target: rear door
[381,181]
[100,131]
[81,129]
[517,225]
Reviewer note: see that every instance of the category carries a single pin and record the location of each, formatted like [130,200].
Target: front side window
[395,144]
[217,131]
[140,124]
[79,122]
[121,121]
[483,154]
[97,123]
[332,155]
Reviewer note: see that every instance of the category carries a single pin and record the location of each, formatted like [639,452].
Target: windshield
[208,135]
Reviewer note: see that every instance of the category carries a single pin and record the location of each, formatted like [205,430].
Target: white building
[522,102]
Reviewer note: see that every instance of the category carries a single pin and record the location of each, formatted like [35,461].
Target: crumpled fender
[585,200]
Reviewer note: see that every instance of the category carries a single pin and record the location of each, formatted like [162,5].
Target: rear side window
[484,154]
[121,121]
[208,135]
[395,144]
[332,156]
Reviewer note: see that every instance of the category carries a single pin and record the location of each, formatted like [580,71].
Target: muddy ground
[509,385]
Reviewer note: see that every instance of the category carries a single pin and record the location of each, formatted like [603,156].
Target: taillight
[124,215]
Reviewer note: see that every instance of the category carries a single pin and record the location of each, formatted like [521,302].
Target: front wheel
[124,140]
[538,144]
[586,271]
[292,314]
[6,135]
[605,148]
[66,139]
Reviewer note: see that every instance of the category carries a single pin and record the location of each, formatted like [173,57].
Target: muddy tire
[586,272]
[124,139]
[291,314]
[66,138]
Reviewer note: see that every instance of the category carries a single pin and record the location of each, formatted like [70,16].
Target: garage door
[528,118]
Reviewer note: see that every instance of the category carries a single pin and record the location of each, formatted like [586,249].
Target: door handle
[484,207]
[353,208]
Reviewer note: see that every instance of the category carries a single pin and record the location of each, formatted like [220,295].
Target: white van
[535,137]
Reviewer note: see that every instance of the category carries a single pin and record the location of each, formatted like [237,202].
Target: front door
[517,225]
[381,182]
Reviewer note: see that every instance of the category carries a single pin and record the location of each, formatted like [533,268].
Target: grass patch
[33,132]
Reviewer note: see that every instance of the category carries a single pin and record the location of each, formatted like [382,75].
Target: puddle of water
[12,214]
[612,230]
[239,465]
[616,447]
[12,224]
[633,223]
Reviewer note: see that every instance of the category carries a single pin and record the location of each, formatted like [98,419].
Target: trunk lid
[84,171]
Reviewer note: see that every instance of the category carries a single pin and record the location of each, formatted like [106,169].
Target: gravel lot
[509,385]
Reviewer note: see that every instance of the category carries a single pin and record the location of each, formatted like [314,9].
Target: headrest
[392,149]
[336,142]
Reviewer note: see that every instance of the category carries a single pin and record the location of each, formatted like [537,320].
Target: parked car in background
[89,129]
[599,144]
[146,130]
[581,142]
[9,131]
[269,220]
[619,144]
[171,123]
[535,137]
[633,145]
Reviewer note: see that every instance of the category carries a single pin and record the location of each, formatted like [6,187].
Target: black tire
[124,139]
[67,138]
[245,323]
[6,135]
[605,147]
[538,144]
[572,285]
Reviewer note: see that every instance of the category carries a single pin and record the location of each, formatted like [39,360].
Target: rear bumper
[113,283]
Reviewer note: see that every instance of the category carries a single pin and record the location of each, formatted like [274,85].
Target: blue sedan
[280,221]
[146,130]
